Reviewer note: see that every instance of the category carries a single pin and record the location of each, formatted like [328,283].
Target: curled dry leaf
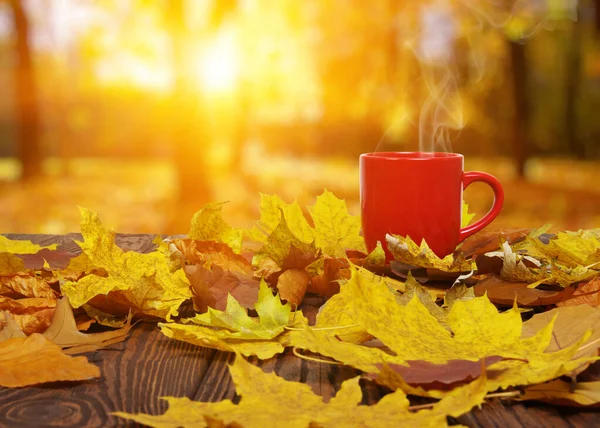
[28,285]
[64,333]
[491,240]
[561,393]
[35,359]
[300,407]
[10,329]
[32,315]
[506,293]
[327,283]
[406,251]
[292,285]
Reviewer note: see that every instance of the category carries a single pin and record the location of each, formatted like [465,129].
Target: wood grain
[137,372]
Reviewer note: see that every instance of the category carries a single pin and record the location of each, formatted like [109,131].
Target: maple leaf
[34,359]
[272,210]
[214,270]
[21,246]
[335,229]
[412,333]
[208,225]
[10,329]
[571,248]
[80,266]
[559,392]
[233,330]
[406,251]
[271,256]
[142,282]
[299,406]
[63,332]
[465,216]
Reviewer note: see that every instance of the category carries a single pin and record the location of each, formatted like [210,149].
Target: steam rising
[441,24]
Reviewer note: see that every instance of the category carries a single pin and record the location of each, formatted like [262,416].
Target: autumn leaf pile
[511,313]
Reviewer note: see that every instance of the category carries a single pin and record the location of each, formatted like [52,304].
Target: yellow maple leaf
[21,246]
[208,225]
[270,257]
[300,407]
[144,283]
[572,249]
[405,250]
[465,216]
[236,324]
[335,229]
[476,330]
[272,208]
[233,330]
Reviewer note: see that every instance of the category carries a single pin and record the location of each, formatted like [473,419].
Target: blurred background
[145,110]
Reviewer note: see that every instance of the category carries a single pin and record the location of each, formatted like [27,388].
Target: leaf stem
[322,328]
[588,345]
[316,360]
[507,394]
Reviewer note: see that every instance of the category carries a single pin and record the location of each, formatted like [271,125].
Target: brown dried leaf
[572,322]
[28,285]
[292,285]
[326,284]
[437,376]
[210,287]
[63,331]
[10,329]
[211,253]
[491,240]
[33,360]
[587,293]
[501,292]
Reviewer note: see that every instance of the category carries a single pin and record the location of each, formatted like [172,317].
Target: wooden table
[148,365]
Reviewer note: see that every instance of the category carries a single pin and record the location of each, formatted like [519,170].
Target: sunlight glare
[218,65]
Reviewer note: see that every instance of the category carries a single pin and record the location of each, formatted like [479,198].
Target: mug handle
[471,177]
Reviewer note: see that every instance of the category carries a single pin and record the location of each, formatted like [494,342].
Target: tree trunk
[26,96]
[520,120]
[572,95]
[189,134]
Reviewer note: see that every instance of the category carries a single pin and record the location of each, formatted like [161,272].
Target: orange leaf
[33,360]
[210,287]
[27,285]
[587,293]
[327,283]
[503,292]
[292,285]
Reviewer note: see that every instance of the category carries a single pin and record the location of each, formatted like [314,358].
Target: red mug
[419,194]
